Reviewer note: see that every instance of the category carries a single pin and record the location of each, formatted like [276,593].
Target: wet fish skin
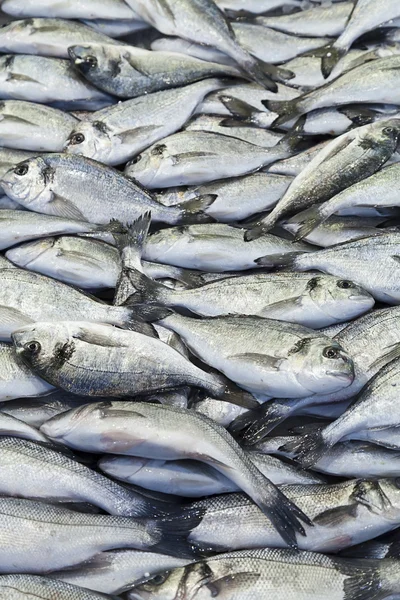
[116,134]
[212,29]
[248,574]
[29,126]
[23,586]
[116,28]
[72,186]
[294,165]
[47,37]
[67,538]
[354,155]
[90,9]
[48,81]
[215,247]
[311,301]
[291,360]
[16,380]
[130,72]
[167,432]
[116,571]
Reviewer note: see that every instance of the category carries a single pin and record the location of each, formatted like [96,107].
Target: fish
[72,186]
[262,191]
[43,587]
[116,134]
[212,29]
[351,260]
[253,574]
[346,160]
[364,17]
[16,380]
[206,53]
[372,412]
[10,158]
[214,247]
[67,538]
[29,126]
[376,191]
[311,301]
[116,28]
[386,546]
[48,37]
[192,479]
[220,412]
[130,72]
[343,514]
[294,165]
[116,362]
[90,9]
[318,21]
[33,470]
[48,81]
[116,571]
[197,157]
[370,82]
[166,436]
[291,361]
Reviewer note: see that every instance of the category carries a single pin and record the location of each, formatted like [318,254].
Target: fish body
[116,28]
[23,586]
[89,9]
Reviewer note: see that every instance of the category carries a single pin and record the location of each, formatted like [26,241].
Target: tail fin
[313,219]
[239,108]
[331,56]
[236,395]
[254,233]
[295,136]
[146,289]
[260,72]
[369,579]
[358,115]
[286,109]
[309,448]
[281,261]
[253,426]
[194,211]
[175,531]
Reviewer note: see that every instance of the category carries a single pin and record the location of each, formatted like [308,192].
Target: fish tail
[239,108]
[309,448]
[190,279]
[369,579]
[281,261]
[146,289]
[194,211]
[253,426]
[295,138]
[330,57]
[260,72]
[285,109]
[230,392]
[175,530]
[314,218]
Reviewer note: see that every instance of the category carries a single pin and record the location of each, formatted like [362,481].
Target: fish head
[122,465]
[96,60]
[321,365]
[386,134]
[171,240]
[183,583]
[59,426]
[26,254]
[379,496]
[155,162]
[29,183]
[43,345]
[338,298]
[91,139]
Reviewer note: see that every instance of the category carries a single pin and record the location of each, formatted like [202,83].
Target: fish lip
[344,376]
[361,298]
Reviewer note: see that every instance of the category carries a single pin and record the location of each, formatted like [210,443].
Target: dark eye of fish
[330,352]
[77,138]
[21,170]
[389,130]
[344,284]
[136,159]
[159,579]
[159,149]
[33,347]
[91,61]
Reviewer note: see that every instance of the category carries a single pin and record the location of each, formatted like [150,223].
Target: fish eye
[159,149]
[91,61]
[330,352]
[33,347]
[389,130]
[159,579]
[136,159]
[76,138]
[21,170]
[344,284]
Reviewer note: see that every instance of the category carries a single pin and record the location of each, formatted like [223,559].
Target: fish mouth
[361,298]
[342,375]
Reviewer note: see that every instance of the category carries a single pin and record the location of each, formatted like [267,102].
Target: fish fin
[14,316]
[63,207]
[254,233]
[294,136]
[394,550]
[286,109]
[148,313]
[364,579]
[313,220]
[231,122]
[176,158]
[260,72]
[252,427]
[380,362]
[358,115]
[236,395]
[335,517]
[194,211]
[232,583]
[90,336]
[276,73]
[175,531]
[21,77]
[191,279]
[147,290]
[330,58]
[238,108]
[396,258]
[130,136]
[287,261]
[262,360]
[283,305]
[15,120]
[309,448]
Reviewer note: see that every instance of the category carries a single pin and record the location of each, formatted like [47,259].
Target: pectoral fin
[261,360]
[130,136]
[97,338]
[232,583]
[336,516]
[63,207]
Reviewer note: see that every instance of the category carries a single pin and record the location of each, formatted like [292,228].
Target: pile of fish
[200,300]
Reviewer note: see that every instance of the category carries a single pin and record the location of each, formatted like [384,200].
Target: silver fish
[222,413]
[116,28]
[365,16]
[47,80]
[346,160]
[196,157]
[214,247]
[29,126]
[23,586]
[290,360]
[16,380]
[47,37]
[294,165]
[90,9]
[206,53]
[262,191]
[212,29]
[307,300]
[80,188]
[116,134]
[129,72]
[19,429]
[167,436]
[68,538]
[288,575]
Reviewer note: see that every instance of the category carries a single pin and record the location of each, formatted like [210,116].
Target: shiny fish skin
[130,72]
[72,186]
[16,381]
[29,126]
[116,134]
[166,435]
[47,37]
[14,427]
[284,364]
[47,80]
[23,587]
[88,9]
[116,28]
